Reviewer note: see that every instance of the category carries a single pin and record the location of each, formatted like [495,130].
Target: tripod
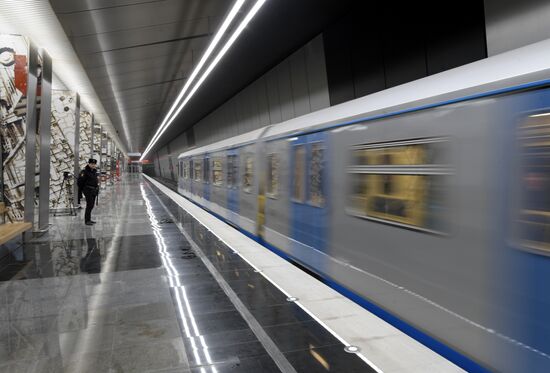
[67,187]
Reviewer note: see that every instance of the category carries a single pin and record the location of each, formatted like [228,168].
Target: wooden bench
[9,231]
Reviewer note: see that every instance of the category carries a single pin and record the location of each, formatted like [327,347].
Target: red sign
[21,73]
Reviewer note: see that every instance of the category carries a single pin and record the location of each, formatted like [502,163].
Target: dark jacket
[87,180]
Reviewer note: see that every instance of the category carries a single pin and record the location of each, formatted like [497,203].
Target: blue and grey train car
[433,213]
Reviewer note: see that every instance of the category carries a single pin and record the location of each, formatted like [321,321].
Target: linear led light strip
[225,25]
[219,56]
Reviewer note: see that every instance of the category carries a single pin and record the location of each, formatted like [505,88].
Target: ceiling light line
[221,53]
[225,25]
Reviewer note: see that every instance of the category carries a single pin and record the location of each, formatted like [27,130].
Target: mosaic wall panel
[109,163]
[96,143]
[14,57]
[62,147]
[114,160]
[103,159]
[85,147]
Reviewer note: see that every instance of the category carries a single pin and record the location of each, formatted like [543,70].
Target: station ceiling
[138,53]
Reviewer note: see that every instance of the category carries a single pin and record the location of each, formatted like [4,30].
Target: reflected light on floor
[317,356]
[182,302]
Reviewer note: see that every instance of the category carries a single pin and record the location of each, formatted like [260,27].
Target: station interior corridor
[132,294]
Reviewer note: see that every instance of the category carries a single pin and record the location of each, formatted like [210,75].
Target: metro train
[433,213]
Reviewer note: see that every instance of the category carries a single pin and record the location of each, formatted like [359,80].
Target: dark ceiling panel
[280,28]
[138,53]
[135,51]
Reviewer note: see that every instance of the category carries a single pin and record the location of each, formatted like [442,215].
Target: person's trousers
[90,202]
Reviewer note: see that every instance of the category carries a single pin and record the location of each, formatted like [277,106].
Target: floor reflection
[78,256]
[132,295]
[91,262]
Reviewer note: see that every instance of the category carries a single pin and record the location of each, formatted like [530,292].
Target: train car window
[198,170]
[402,183]
[533,221]
[217,172]
[232,171]
[206,170]
[185,170]
[316,175]
[248,175]
[272,175]
[298,180]
[358,197]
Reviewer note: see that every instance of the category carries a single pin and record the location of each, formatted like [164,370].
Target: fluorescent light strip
[214,63]
[225,25]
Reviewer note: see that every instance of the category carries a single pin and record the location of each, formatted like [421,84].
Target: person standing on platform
[88,183]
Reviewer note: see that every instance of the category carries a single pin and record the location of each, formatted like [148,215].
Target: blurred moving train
[433,212]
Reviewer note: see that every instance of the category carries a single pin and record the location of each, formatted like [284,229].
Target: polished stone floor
[131,294]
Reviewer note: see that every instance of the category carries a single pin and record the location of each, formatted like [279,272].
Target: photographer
[88,183]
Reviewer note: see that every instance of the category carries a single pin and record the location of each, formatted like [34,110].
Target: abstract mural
[63,132]
[85,141]
[14,57]
[96,143]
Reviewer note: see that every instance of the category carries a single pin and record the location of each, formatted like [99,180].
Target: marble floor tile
[214,322]
[225,354]
[146,331]
[143,312]
[92,362]
[255,364]
[301,336]
[327,359]
[149,357]
[54,365]
[130,294]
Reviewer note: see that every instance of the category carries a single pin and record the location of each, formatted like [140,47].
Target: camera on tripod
[65,192]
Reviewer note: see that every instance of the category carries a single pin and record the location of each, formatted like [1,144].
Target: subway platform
[159,286]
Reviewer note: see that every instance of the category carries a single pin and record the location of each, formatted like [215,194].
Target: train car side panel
[277,198]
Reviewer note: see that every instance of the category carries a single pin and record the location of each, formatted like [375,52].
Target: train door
[191,176]
[308,189]
[525,263]
[260,170]
[233,185]
[206,177]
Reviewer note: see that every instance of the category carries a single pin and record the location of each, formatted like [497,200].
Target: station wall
[296,86]
[373,47]
[512,24]
[379,45]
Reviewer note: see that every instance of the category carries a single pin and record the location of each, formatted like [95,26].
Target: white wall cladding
[296,86]
[512,24]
